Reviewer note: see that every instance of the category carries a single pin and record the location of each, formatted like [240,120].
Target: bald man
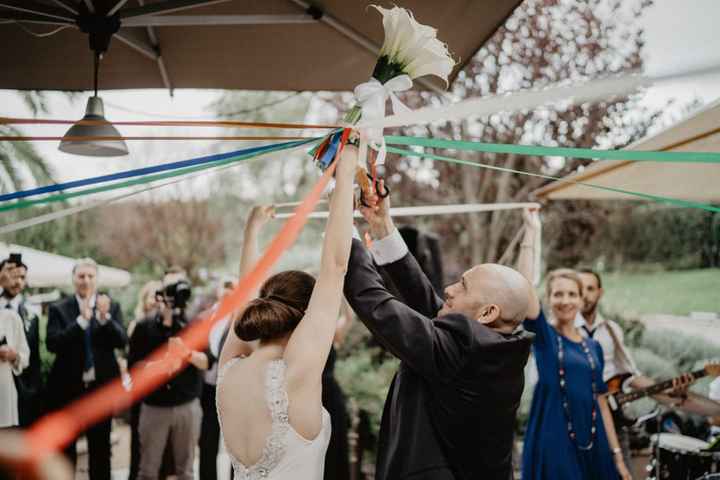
[450,413]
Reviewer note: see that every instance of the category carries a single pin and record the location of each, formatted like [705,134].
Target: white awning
[50,270]
[694,182]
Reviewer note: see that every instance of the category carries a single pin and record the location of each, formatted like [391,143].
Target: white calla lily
[410,48]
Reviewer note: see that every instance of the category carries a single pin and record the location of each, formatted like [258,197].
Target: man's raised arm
[391,253]
[433,349]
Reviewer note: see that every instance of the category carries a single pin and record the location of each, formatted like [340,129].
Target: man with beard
[618,360]
[29,383]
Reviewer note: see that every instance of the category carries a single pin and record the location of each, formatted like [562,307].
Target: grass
[674,293]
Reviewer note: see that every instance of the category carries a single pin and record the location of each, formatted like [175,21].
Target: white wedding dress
[287,455]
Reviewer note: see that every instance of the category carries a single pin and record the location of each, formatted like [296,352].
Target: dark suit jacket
[65,338]
[450,412]
[29,383]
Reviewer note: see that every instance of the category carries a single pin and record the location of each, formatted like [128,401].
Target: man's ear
[601,292]
[488,314]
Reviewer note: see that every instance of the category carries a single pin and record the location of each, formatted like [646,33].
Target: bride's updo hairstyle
[283,299]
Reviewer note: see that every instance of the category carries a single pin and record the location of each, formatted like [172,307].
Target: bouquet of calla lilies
[410,50]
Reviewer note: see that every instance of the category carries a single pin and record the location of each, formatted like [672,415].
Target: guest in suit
[29,383]
[451,408]
[83,331]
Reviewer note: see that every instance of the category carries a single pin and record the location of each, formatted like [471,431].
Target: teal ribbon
[60,197]
[589,153]
[646,196]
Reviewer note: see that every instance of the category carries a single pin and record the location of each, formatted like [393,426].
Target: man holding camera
[13,273]
[172,412]
[83,332]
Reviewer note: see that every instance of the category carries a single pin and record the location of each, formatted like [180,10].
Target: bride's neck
[272,349]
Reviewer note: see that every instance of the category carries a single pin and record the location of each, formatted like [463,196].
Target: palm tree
[19,161]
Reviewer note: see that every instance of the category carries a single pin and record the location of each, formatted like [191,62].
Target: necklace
[563,392]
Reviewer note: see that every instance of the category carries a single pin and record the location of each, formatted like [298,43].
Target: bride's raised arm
[309,345]
[258,217]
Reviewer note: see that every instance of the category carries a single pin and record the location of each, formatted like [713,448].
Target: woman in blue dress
[570,435]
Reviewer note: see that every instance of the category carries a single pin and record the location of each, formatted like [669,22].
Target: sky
[678,36]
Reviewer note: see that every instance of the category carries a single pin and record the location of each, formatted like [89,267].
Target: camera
[176,295]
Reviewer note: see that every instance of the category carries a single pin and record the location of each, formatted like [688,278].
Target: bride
[269,402]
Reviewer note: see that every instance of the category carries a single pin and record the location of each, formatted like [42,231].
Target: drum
[678,457]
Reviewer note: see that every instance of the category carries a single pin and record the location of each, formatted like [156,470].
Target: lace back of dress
[277,402]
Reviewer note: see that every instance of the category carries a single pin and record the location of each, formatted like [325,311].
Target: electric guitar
[617,398]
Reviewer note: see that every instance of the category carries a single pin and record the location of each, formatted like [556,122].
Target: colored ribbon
[101,138]
[60,428]
[52,216]
[148,170]
[568,152]
[645,196]
[164,123]
[137,181]
[575,93]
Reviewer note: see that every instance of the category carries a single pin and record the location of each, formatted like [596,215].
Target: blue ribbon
[147,170]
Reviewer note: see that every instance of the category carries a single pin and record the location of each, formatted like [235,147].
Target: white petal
[440,68]
[405,32]
[389,21]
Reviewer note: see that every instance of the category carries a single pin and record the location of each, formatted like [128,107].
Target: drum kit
[674,454]
[679,457]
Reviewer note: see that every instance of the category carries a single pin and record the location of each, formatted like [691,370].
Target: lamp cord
[97,68]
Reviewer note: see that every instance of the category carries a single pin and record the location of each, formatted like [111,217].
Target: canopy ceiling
[226,44]
[695,182]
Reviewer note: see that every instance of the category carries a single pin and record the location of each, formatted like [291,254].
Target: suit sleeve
[62,333]
[112,333]
[34,370]
[20,344]
[138,348]
[413,285]
[437,350]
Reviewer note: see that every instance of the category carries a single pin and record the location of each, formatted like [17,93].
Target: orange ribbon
[59,428]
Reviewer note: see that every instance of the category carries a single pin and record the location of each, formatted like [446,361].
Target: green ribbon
[646,196]
[590,153]
[60,197]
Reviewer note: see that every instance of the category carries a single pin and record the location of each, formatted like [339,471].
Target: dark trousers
[99,450]
[209,434]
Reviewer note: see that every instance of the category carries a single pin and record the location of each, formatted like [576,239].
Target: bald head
[492,294]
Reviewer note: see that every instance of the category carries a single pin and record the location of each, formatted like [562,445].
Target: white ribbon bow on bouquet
[372,96]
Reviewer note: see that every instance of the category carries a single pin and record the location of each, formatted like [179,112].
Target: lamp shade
[74,142]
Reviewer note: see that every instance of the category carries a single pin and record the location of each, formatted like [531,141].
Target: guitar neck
[653,389]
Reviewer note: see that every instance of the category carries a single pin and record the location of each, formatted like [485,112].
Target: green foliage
[20,162]
[684,351]
[74,236]
[366,381]
[677,238]
[652,364]
[46,357]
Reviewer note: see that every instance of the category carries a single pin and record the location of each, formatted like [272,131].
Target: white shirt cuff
[82,322]
[356,233]
[389,249]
